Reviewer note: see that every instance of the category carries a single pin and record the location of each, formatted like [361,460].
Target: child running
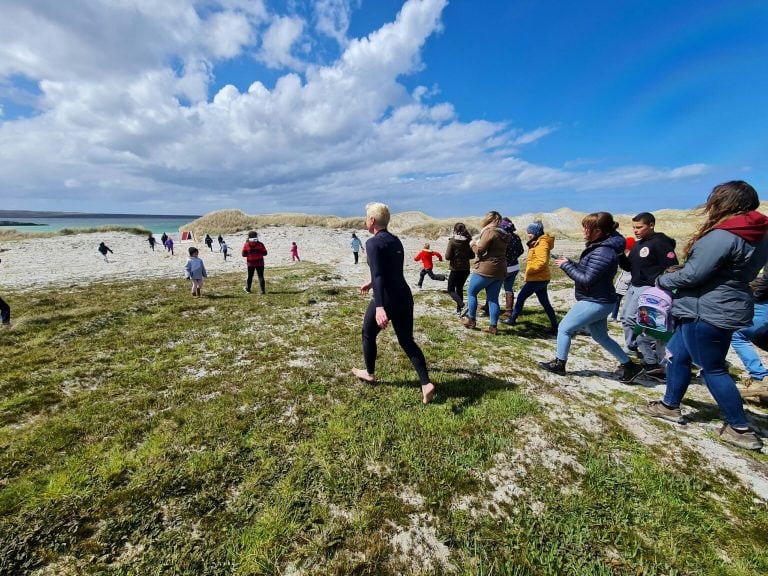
[195,271]
[294,252]
[425,257]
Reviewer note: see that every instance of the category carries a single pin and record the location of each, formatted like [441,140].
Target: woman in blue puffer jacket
[595,293]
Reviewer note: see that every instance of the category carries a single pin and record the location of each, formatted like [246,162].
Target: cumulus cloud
[126,116]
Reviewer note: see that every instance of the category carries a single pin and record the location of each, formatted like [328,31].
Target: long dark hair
[460,229]
[602,221]
[725,200]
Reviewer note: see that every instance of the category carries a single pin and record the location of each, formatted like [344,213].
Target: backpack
[654,313]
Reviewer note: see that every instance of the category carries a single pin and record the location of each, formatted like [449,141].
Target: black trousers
[355,253]
[5,312]
[428,272]
[402,321]
[456,281]
[260,271]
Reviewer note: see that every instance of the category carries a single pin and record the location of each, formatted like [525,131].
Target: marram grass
[147,432]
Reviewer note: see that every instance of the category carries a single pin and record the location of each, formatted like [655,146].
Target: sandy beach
[74,260]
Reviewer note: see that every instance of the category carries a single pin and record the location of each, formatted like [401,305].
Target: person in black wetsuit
[392,299]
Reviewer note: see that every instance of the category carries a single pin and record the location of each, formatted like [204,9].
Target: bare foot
[363,375]
[427,393]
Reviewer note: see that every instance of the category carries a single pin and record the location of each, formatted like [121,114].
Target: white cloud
[278,42]
[126,118]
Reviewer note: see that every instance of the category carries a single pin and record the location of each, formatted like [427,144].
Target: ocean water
[155,224]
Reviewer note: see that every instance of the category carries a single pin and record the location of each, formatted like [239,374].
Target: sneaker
[628,372]
[464,312]
[246,290]
[750,388]
[509,321]
[657,409]
[747,439]
[655,372]
[555,366]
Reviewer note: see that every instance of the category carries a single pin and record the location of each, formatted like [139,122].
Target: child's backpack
[654,313]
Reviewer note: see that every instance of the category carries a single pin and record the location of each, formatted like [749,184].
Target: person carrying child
[195,271]
[425,257]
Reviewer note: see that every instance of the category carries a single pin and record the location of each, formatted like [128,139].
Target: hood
[615,241]
[545,239]
[459,238]
[751,226]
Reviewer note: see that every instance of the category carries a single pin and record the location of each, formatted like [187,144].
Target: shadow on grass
[709,412]
[459,387]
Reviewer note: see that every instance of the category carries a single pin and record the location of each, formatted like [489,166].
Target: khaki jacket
[491,251]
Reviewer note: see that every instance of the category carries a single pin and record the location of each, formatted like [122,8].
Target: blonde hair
[490,218]
[378,211]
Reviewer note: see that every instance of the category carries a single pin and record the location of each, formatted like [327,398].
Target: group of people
[713,301]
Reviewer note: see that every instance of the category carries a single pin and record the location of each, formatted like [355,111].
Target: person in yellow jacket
[537,275]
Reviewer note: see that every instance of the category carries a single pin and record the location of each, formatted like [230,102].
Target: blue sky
[448,107]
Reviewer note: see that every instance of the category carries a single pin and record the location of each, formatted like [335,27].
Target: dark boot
[629,371]
[555,366]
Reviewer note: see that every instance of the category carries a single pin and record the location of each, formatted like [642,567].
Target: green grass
[147,432]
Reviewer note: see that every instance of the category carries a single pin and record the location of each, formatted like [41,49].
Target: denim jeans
[696,341]
[492,286]
[742,345]
[594,317]
[538,287]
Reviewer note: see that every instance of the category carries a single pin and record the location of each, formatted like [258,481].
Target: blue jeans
[538,287]
[742,345]
[492,286]
[594,317]
[696,341]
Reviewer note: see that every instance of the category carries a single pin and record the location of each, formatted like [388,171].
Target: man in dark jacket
[652,253]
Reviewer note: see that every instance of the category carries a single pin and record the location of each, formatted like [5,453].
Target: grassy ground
[146,432]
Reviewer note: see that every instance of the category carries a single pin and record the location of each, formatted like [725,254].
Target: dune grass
[13,234]
[147,432]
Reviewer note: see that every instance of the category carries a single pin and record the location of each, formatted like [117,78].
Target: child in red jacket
[425,256]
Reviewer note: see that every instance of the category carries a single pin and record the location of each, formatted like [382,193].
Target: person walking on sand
[425,257]
[356,246]
[195,271]
[220,240]
[209,242]
[595,295]
[151,241]
[254,252]
[489,271]
[163,238]
[104,249]
[392,300]
[295,252]
[224,249]
[652,253]
[5,313]
[712,300]
[458,254]
[537,275]
[169,244]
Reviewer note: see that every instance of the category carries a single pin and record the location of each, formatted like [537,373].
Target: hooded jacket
[537,267]
[254,252]
[649,258]
[594,272]
[491,250]
[713,284]
[459,253]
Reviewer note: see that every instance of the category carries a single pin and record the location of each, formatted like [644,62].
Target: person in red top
[425,257]
[254,252]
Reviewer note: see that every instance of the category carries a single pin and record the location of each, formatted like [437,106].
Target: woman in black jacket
[595,294]
[458,254]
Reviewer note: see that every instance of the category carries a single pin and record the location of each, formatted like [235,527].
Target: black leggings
[260,271]
[402,322]
[456,281]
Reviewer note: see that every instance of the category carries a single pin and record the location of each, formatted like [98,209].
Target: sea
[155,224]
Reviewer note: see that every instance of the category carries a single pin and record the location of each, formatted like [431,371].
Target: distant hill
[8,214]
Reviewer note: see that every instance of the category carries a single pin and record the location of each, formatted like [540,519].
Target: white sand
[75,260]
